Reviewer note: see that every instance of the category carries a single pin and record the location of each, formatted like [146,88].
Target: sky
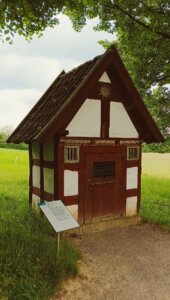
[27,69]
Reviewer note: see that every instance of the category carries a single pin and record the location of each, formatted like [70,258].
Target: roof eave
[11,138]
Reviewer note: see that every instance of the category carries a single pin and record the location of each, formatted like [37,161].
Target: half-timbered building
[84,137]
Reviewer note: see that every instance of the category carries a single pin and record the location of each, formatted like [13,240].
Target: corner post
[30,173]
[41,174]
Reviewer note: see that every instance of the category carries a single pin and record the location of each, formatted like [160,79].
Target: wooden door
[104,193]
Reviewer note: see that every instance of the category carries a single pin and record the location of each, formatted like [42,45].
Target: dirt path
[121,264]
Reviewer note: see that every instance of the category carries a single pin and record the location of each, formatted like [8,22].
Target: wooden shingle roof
[55,109]
[51,102]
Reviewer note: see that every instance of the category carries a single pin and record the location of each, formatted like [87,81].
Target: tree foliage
[142,29]
[143,33]
[27,17]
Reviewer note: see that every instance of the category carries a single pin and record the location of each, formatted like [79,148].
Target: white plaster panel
[86,122]
[48,180]
[131,206]
[121,125]
[36,176]
[48,151]
[70,183]
[35,150]
[35,201]
[132,178]
[73,210]
[105,78]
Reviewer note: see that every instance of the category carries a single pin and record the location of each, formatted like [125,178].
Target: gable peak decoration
[104,91]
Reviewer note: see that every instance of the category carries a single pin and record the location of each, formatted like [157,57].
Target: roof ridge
[85,63]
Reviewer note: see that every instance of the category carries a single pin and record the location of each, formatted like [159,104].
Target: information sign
[58,215]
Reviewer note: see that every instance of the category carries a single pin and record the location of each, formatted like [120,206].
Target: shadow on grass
[29,266]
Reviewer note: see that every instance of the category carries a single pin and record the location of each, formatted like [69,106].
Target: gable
[60,104]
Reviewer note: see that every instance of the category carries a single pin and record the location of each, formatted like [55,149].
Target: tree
[142,29]
[5,132]
[159,105]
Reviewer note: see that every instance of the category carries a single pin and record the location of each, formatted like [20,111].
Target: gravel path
[131,263]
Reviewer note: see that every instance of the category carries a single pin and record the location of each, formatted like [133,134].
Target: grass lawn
[155,205]
[29,268]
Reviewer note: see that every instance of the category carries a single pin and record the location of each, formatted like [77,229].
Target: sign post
[59,217]
[58,243]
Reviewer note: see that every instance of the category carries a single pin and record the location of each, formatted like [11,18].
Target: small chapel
[84,136]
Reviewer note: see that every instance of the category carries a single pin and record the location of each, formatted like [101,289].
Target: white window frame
[66,159]
[133,158]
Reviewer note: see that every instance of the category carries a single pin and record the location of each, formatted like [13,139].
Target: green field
[155,205]
[29,268]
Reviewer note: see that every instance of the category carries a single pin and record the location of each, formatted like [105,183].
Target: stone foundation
[104,225]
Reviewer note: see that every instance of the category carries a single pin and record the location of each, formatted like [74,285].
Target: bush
[159,148]
[21,146]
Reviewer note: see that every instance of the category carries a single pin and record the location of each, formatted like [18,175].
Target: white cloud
[62,42]
[27,72]
[27,69]
[15,104]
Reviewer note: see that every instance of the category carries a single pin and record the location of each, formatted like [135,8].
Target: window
[71,154]
[103,169]
[133,153]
